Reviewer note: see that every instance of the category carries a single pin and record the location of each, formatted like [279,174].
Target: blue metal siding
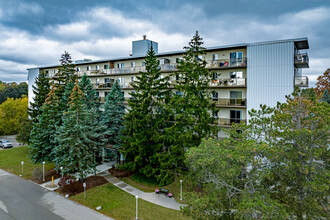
[270,73]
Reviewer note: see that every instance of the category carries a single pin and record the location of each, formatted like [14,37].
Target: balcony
[102,85]
[228,83]
[301,60]
[230,121]
[301,81]
[126,85]
[220,102]
[226,63]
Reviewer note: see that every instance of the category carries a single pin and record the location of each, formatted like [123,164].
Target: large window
[235,97]
[236,58]
[215,95]
[236,75]
[235,116]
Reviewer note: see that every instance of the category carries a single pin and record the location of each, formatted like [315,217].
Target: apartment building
[244,75]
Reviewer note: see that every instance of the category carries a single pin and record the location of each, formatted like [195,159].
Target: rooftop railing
[301,81]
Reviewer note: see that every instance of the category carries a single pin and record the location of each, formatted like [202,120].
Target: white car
[5,144]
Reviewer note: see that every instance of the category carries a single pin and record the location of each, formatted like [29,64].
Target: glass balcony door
[235,116]
[236,58]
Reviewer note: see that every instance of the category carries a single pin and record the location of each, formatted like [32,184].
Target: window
[88,68]
[132,64]
[78,68]
[46,71]
[105,94]
[235,116]
[133,78]
[215,56]
[54,71]
[97,94]
[106,67]
[215,75]
[120,65]
[215,113]
[143,63]
[236,98]
[215,95]
[236,58]
[97,67]
[236,75]
[97,81]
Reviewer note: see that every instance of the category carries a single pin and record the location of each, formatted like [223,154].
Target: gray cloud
[105,29]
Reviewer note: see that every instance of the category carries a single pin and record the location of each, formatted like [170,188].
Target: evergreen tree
[65,74]
[40,91]
[325,96]
[43,141]
[91,99]
[191,104]
[113,115]
[144,142]
[79,137]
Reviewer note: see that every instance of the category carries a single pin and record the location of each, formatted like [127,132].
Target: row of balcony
[229,121]
[212,64]
[214,83]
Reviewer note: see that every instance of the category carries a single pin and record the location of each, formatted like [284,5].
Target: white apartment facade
[245,75]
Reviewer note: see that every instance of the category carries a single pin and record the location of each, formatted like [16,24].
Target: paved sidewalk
[158,199]
[99,169]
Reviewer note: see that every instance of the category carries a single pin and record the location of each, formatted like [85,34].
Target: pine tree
[43,141]
[91,99]
[192,103]
[325,96]
[79,137]
[144,143]
[40,91]
[65,74]
[113,117]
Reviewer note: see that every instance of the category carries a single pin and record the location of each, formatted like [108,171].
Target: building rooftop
[300,43]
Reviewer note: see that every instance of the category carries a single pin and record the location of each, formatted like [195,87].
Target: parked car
[5,144]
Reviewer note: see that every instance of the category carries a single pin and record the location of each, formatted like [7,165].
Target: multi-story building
[244,75]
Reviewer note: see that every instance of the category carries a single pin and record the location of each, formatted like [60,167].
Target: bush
[65,181]
[37,173]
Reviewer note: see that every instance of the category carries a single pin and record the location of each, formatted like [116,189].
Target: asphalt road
[24,200]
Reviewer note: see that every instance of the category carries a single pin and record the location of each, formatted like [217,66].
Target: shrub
[37,173]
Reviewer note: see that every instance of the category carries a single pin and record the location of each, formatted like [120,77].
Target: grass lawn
[10,160]
[121,205]
[145,185]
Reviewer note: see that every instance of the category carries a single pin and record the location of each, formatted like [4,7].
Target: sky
[36,32]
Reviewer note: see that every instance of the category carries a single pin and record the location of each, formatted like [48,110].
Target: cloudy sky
[35,33]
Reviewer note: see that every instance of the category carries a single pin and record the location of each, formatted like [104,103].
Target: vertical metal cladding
[32,75]
[270,73]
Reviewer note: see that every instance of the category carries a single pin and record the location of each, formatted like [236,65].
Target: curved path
[158,199]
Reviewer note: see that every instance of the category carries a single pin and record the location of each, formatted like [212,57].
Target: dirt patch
[48,176]
[119,173]
[77,186]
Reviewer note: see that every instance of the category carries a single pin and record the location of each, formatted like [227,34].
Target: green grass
[121,205]
[146,184]
[10,160]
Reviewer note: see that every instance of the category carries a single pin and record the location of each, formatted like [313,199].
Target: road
[13,140]
[24,200]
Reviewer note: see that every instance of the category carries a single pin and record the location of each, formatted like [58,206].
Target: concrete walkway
[158,199]
[99,169]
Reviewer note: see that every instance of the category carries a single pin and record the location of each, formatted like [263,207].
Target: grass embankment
[121,205]
[146,184]
[10,160]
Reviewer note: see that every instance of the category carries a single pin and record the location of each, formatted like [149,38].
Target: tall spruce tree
[65,74]
[144,142]
[191,105]
[91,99]
[79,137]
[43,141]
[40,90]
[325,96]
[113,117]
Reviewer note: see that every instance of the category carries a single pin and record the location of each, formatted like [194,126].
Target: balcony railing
[226,63]
[230,121]
[229,102]
[228,82]
[301,81]
[102,85]
[301,60]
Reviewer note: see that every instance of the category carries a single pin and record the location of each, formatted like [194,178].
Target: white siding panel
[270,73]
[32,75]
